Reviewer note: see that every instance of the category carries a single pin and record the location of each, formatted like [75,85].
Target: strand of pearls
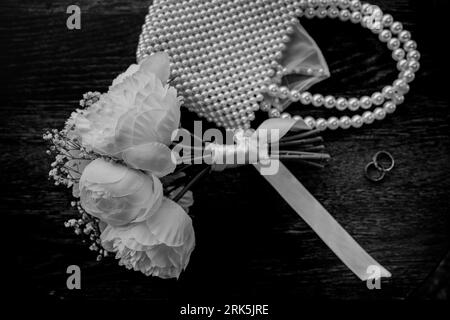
[398,40]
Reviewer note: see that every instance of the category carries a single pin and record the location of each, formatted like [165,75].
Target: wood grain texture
[250,244]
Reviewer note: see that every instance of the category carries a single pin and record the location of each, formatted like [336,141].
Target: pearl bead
[309,13]
[321,13]
[388,92]
[357,121]
[377,98]
[402,65]
[385,36]
[297,118]
[329,102]
[298,12]
[396,27]
[393,44]
[404,36]
[259,97]
[413,55]
[368,117]
[305,98]
[414,65]
[283,92]
[401,87]
[344,4]
[379,113]
[285,115]
[341,104]
[345,122]
[376,27]
[265,106]
[398,99]
[274,113]
[333,123]
[367,9]
[295,95]
[310,122]
[356,17]
[333,3]
[344,15]
[398,54]
[333,12]
[353,104]
[365,102]
[317,100]
[389,107]
[410,45]
[408,75]
[273,90]
[321,124]
[387,20]
[355,5]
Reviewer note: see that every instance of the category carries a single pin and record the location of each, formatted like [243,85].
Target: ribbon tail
[326,227]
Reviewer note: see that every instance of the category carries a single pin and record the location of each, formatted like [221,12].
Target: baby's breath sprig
[88,227]
[65,149]
[89,98]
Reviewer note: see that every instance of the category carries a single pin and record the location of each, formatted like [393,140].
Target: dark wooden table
[250,244]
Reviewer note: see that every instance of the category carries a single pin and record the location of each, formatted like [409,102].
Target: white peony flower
[148,232]
[160,246]
[119,195]
[135,119]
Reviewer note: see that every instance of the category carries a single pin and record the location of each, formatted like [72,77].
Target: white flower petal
[158,64]
[101,171]
[135,236]
[170,224]
[129,72]
[154,157]
[160,246]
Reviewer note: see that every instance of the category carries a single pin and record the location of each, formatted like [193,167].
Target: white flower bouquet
[113,153]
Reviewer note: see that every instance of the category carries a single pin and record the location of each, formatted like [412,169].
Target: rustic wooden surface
[250,244]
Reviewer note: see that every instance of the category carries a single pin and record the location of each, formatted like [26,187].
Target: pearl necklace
[386,101]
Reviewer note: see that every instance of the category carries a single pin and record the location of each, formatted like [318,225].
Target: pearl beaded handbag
[230,58]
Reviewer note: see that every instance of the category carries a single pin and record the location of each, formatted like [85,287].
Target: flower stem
[300,142]
[191,183]
[300,135]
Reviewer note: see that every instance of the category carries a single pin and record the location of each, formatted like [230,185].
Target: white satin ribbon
[254,147]
[326,227]
[248,149]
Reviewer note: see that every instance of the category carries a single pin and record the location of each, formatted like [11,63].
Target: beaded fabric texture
[224,53]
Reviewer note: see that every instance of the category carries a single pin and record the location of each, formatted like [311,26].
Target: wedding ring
[373,172]
[384,161]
